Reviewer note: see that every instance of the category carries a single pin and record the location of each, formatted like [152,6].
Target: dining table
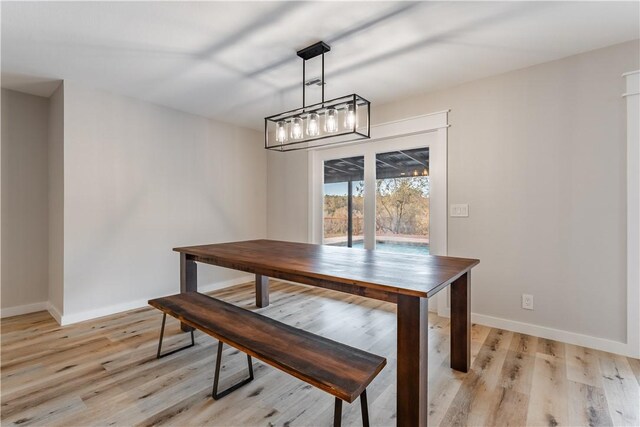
[408,281]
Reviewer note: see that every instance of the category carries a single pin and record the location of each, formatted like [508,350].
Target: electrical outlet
[527,302]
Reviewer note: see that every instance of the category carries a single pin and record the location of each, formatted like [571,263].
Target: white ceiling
[235,61]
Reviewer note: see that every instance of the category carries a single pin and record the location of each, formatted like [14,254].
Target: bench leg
[216,378]
[159,355]
[337,413]
[365,408]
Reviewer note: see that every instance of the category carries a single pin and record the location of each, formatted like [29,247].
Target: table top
[415,275]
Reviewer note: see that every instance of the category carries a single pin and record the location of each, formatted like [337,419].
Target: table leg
[461,323]
[188,280]
[412,401]
[262,290]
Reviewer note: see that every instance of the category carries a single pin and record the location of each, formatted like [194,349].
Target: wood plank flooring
[104,372]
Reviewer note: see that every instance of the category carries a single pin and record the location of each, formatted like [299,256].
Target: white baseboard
[55,313]
[23,309]
[68,319]
[568,337]
[554,334]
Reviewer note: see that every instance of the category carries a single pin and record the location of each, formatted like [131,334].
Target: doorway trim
[632,97]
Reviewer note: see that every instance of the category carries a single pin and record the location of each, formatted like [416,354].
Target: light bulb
[296,128]
[331,120]
[425,172]
[350,117]
[313,124]
[281,132]
[415,173]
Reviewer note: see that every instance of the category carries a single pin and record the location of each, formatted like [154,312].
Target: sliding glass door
[402,201]
[375,197]
[343,202]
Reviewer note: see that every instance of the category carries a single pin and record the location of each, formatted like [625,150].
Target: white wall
[24,200]
[539,155]
[140,179]
[56,201]
[288,207]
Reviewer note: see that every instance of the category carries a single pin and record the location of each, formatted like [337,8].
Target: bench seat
[336,368]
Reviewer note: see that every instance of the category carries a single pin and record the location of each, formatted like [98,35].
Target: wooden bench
[336,368]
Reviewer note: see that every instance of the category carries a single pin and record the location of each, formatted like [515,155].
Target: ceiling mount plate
[314,50]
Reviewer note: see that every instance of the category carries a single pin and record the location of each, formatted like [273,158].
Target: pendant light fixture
[335,121]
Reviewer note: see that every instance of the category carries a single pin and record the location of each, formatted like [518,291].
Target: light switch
[460,210]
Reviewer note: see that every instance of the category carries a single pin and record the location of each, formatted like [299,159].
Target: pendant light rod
[319,48]
[322,78]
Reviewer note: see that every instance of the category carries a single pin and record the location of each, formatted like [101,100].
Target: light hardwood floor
[104,372]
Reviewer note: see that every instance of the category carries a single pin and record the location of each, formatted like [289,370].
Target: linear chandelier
[336,121]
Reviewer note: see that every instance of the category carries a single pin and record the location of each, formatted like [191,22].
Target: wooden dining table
[406,280]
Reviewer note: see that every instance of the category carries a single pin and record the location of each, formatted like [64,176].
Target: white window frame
[428,130]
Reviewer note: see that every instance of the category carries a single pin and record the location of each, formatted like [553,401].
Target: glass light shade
[350,117]
[331,120]
[313,124]
[281,132]
[296,128]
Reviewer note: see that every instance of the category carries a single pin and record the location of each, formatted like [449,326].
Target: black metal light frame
[338,137]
